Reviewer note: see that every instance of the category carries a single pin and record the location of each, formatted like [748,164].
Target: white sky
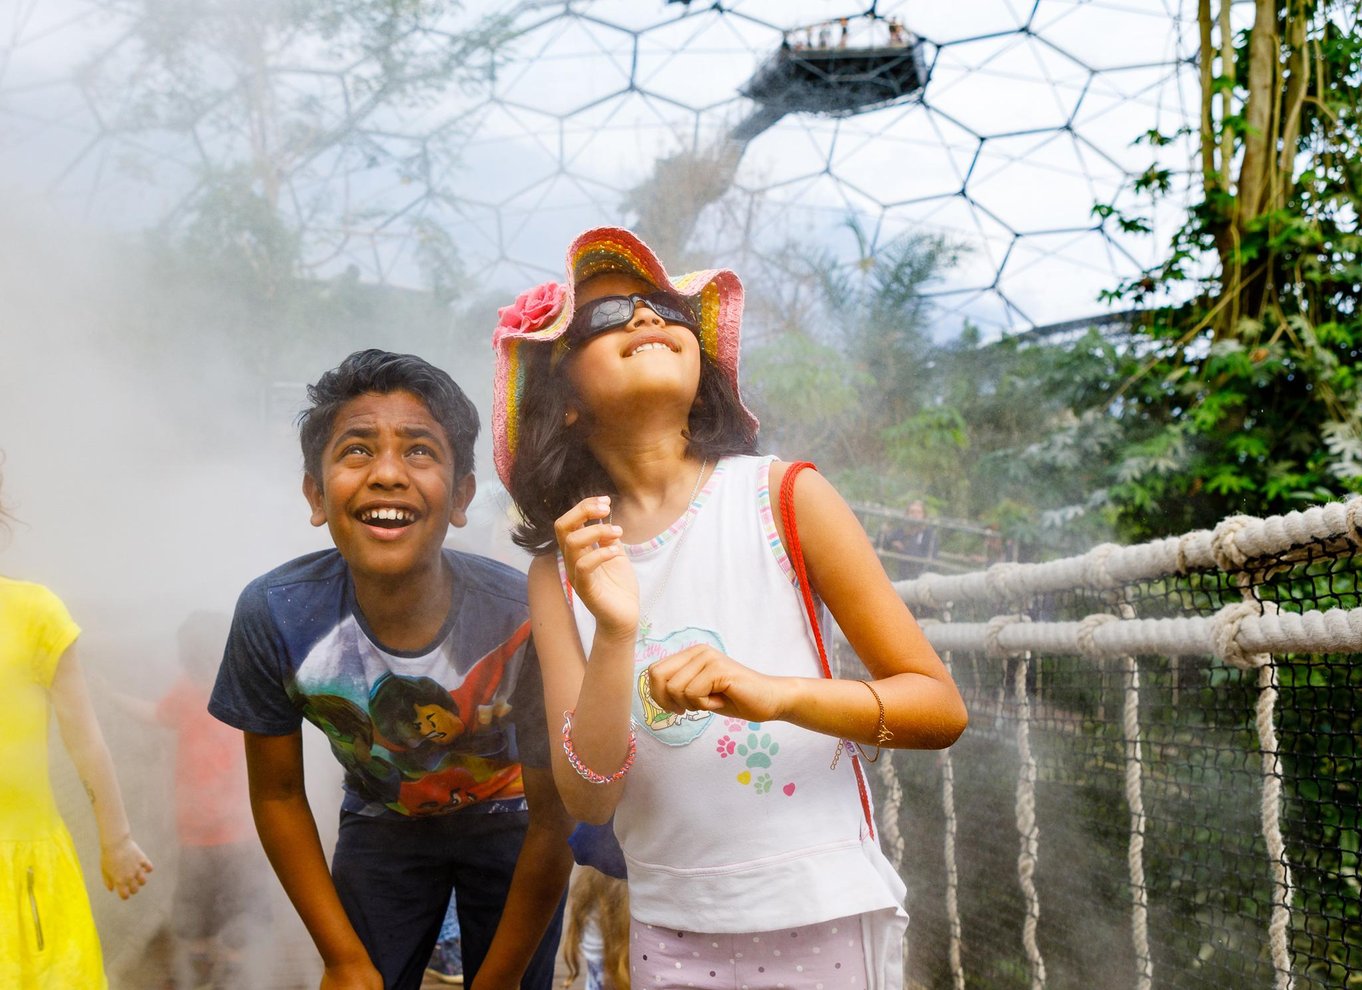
[1019,134]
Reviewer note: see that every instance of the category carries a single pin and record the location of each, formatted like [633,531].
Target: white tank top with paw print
[728,825]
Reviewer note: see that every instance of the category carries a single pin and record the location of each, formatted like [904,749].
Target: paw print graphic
[726,746]
[758,750]
[762,785]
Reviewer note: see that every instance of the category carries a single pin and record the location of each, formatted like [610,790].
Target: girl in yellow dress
[47,933]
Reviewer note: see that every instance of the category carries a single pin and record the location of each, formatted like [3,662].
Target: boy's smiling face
[388,492]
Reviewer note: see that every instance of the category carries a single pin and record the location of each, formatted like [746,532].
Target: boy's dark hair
[379,372]
[554,468]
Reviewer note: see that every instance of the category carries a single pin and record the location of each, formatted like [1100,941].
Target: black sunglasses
[611,312]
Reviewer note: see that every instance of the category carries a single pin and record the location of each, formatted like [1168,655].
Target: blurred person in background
[596,931]
[219,897]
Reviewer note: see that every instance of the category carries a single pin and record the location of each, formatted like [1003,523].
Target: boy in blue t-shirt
[417,663]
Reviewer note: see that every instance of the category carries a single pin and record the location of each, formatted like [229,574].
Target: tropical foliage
[1243,397]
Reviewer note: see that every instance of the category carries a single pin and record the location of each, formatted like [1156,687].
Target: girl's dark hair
[554,468]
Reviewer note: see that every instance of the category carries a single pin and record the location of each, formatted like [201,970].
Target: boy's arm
[122,863]
[541,875]
[288,833]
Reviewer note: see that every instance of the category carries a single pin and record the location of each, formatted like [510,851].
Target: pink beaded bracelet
[585,771]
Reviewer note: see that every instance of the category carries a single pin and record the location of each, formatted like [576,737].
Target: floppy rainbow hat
[541,315]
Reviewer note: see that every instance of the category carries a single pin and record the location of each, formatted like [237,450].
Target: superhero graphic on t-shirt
[414,744]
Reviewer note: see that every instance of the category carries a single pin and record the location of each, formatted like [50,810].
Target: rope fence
[1166,744]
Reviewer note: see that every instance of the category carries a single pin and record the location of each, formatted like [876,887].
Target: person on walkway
[673,637]
[416,663]
[218,906]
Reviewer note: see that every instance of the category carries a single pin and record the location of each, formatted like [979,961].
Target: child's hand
[701,679]
[597,566]
[124,867]
[359,975]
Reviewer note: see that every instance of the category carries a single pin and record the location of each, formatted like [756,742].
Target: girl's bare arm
[599,692]
[922,706]
[123,864]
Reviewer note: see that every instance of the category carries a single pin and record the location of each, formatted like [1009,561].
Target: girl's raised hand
[597,566]
[701,679]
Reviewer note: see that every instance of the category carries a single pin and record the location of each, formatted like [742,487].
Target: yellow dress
[47,933]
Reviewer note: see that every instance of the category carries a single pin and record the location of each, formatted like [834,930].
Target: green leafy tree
[1245,398]
[1031,461]
[302,117]
[983,431]
[992,432]
[846,371]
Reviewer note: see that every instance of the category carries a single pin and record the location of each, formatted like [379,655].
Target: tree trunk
[1272,102]
[1259,158]
[1210,170]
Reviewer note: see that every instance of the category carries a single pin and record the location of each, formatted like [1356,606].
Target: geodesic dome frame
[573,111]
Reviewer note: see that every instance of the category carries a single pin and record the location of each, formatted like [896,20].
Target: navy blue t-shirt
[430,732]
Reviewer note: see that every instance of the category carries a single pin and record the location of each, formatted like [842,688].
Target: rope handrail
[1332,631]
[1234,542]
[1307,627]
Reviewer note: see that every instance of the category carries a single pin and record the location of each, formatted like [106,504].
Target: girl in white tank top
[679,667]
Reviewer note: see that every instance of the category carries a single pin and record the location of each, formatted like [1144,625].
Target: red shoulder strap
[787,516]
[796,552]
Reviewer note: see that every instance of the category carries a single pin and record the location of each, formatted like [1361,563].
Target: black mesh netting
[1206,877]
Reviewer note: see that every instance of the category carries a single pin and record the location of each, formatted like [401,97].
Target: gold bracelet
[882,734]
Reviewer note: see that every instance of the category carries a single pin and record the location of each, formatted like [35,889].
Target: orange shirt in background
[212,804]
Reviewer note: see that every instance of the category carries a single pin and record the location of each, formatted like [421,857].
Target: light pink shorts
[826,956]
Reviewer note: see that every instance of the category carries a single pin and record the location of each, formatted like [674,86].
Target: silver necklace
[645,621]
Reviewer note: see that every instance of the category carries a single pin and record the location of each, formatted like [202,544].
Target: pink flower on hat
[532,309]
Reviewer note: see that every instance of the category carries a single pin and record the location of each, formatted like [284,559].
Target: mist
[126,505]
[151,473]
